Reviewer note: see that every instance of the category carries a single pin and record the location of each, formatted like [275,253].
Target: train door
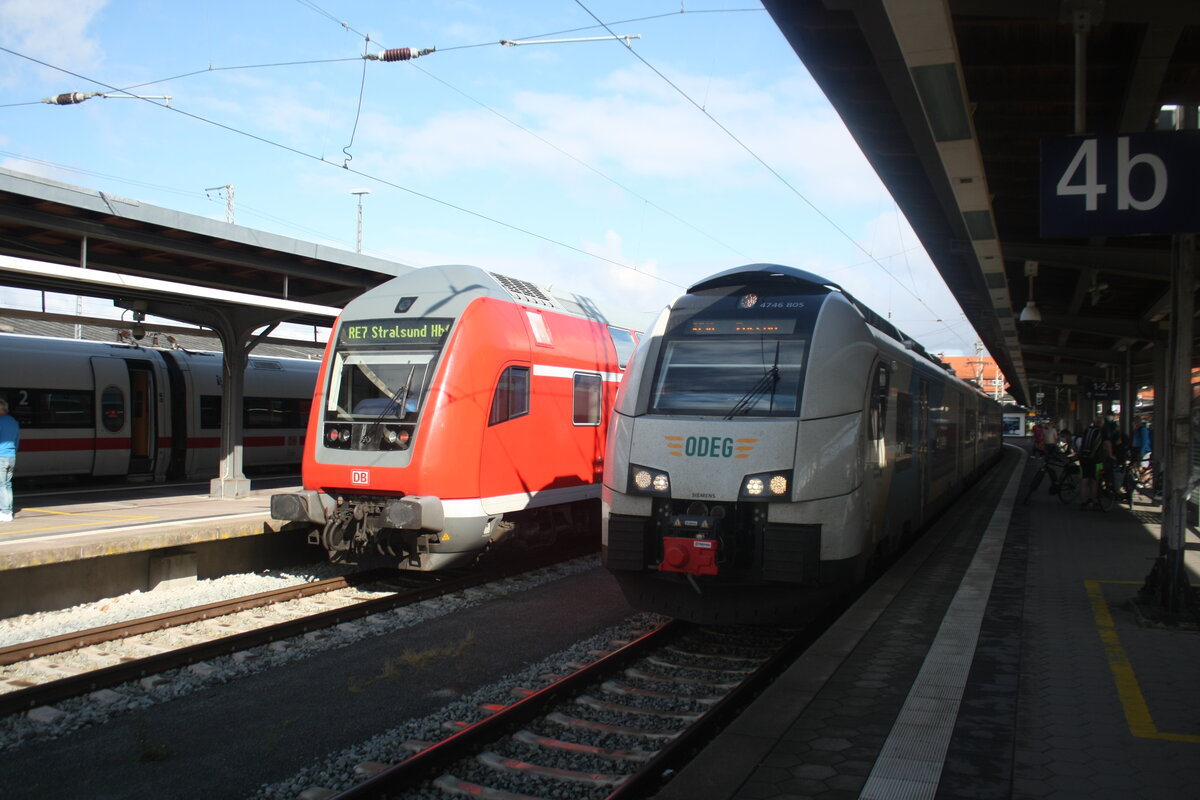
[113,440]
[923,446]
[877,476]
[143,444]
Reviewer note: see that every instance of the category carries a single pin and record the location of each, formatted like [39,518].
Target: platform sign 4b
[1144,183]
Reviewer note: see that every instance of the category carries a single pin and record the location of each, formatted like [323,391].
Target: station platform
[54,527]
[78,545]
[1003,656]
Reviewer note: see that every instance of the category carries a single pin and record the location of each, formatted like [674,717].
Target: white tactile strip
[910,763]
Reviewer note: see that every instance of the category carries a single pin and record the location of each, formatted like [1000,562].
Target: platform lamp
[1030,313]
[359,193]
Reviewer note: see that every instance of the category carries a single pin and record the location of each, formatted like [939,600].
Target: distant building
[981,370]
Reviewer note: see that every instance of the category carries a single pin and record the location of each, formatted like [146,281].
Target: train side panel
[108,410]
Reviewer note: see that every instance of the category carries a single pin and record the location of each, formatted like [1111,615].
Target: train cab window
[375,386]
[729,376]
[624,342]
[586,399]
[112,409]
[512,395]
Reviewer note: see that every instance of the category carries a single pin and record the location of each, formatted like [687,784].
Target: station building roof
[950,101]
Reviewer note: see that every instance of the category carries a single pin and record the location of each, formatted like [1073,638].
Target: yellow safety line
[86,515]
[1137,712]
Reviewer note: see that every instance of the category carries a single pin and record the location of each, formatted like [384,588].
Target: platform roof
[145,246]
[949,100]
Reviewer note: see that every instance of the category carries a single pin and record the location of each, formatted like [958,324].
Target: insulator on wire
[400,54]
[69,98]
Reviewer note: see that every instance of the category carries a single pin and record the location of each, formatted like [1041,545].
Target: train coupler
[691,556]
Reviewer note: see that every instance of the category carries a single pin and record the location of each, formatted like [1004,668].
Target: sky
[623,170]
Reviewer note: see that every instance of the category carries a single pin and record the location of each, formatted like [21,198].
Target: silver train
[109,410]
[771,437]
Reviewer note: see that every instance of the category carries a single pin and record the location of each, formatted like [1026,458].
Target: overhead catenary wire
[408,54]
[348,168]
[750,151]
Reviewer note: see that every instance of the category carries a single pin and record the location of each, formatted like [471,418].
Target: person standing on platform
[1092,443]
[10,435]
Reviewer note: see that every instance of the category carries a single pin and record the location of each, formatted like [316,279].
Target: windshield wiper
[399,397]
[769,380]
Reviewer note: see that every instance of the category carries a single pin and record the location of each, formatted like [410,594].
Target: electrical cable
[759,159]
[347,168]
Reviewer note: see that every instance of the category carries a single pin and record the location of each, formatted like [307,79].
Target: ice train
[108,410]
[456,407]
[771,436]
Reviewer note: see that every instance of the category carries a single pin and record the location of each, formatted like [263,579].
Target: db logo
[360,477]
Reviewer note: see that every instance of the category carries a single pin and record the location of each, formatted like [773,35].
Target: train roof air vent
[258,363]
[524,291]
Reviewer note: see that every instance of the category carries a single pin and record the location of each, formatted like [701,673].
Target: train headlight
[767,486]
[644,480]
[336,436]
[396,438]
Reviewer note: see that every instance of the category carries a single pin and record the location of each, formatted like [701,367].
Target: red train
[455,407]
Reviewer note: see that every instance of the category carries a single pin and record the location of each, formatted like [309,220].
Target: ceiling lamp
[1030,313]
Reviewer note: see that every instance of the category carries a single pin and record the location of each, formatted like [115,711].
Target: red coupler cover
[697,556]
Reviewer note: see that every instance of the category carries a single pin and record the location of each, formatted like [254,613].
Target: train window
[378,386]
[904,424]
[879,398]
[264,412]
[624,342]
[541,333]
[729,376]
[586,404]
[50,408]
[112,409]
[512,395]
[210,411]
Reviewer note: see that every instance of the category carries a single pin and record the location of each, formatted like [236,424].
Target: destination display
[428,331]
[733,327]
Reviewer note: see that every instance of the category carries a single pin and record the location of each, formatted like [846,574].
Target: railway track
[50,670]
[610,729]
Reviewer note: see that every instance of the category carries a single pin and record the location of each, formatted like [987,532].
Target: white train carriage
[771,436]
[106,410]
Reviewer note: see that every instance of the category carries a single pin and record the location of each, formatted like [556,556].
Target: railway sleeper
[531,738]
[559,718]
[504,764]
[615,687]
[596,704]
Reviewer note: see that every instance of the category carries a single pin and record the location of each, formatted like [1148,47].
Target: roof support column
[234,325]
[1178,433]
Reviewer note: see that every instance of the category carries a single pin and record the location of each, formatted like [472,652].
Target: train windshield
[729,376]
[378,386]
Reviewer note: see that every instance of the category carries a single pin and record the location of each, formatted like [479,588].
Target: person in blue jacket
[10,435]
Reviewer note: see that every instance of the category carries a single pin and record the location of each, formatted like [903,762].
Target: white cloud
[54,31]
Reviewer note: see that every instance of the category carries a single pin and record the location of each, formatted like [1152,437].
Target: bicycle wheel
[1106,498]
[1068,487]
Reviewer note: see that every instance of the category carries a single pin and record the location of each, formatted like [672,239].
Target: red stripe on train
[37,445]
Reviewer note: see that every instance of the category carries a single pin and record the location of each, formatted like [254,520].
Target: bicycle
[1107,494]
[1064,477]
